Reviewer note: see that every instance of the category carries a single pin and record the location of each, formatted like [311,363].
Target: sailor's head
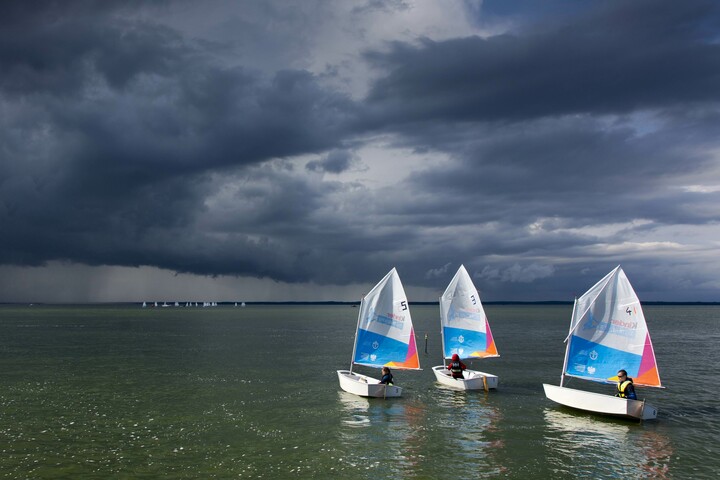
[622,374]
[455,357]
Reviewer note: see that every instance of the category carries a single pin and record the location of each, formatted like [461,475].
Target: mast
[445,307]
[357,327]
[567,347]
[442,332]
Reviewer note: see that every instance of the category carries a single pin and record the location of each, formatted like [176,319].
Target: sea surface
[230,392]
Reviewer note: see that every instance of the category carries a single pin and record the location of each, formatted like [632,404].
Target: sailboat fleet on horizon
[608,332]
[188,304]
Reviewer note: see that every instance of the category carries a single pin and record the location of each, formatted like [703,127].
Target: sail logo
[373,357]
[458,314]
[375,345]
[593,356]
[621,324]
[466,314]
[592,322]
[591,370]
[617,327]
[391,320]
[461,339]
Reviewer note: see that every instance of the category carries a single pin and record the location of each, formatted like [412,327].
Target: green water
[125,392]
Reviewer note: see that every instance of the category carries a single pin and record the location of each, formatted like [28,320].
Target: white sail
[608,331]
[465,328]
[385,334]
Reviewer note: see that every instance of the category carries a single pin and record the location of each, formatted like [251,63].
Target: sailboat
[608,333]
[465,332]
[384,337]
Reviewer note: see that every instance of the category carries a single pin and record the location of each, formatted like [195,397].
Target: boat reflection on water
[470,425]
[355,409]
[382,434]
[468,412]
[583,446]
[436,434]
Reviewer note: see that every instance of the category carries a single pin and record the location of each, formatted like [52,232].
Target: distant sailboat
[144,305]
[465,332]
[384,337]
[608,333]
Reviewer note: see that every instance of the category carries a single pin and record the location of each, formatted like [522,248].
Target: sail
[465,328]
[608,333]
[385,334]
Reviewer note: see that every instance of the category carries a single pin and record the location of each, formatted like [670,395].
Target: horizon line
[337,302]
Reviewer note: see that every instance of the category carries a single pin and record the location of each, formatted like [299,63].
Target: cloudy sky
[277,150]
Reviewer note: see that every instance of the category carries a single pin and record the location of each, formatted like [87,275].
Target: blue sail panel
[463,342]
[378,350]
[598,362]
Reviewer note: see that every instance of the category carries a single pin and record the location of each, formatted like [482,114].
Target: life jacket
[455,367]
[621,387]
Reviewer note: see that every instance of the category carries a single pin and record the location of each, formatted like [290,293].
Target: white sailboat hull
[599,403]
[473,379]
[365,386]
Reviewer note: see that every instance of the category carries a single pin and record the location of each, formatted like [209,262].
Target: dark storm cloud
[129,141]
[541,124]
[573,168]
[118,128]
[638,55]
[55,49]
